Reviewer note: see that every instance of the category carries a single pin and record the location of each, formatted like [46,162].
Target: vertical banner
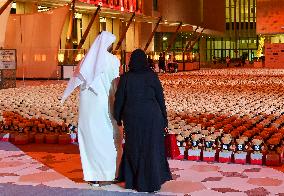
[134,5]
[131,8]
[121,2]
[126,5]
[36,44]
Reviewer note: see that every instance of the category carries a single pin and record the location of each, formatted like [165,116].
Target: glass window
[218,44]
[227,26]
[155,5]
[227,3]
[237,10]
[227,53]
[228,44]
[228,14]
[252,2]
[232,13]
[209,44]
[218,53]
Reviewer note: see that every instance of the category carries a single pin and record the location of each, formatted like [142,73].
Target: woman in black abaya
[140,104]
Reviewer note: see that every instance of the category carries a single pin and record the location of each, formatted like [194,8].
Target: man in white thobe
[98,136]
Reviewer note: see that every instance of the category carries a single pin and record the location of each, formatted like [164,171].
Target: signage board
[8,59]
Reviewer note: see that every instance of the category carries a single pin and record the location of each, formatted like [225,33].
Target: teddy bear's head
[196,137]
[186,133]
[180,138]
[245,138]
[257,141]
[240,141]
[209,138]
[226,139]
[204,132]
[272,143]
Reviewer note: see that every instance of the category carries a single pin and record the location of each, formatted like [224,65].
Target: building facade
[240,38]
[225,27]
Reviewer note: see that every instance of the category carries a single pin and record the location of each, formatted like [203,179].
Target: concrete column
[79,33]
[64,32]
[145,32]
[122,26]
[130,38]
[26,7]
[95,29]
[85,22]
[109,25]
[133,37]
[202,49]
[137,35]
[116,29]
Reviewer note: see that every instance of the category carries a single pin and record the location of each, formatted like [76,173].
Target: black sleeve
[119,100]
[159,94]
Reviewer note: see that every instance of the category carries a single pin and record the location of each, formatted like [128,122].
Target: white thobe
[98,135]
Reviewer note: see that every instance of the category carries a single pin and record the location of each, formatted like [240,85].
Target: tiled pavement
[20,174]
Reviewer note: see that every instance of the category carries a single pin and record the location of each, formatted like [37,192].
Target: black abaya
[140,104]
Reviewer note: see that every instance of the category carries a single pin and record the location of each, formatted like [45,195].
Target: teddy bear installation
[225,115]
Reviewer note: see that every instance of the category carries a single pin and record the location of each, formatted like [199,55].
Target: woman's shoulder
[151,73]
[125,76]
[148,73]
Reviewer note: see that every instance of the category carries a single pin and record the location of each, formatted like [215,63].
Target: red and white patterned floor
[20,171]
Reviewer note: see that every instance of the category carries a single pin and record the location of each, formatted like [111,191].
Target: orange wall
[187,11]
[270,16]
[206,13]
[214,15]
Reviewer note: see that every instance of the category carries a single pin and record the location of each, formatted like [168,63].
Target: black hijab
[138,61]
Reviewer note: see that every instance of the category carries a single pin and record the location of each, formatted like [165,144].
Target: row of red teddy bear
[20,130]
[213,147]
[244,127]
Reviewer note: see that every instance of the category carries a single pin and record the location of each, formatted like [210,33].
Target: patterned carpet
[56,169]
[20,174]
[65,159]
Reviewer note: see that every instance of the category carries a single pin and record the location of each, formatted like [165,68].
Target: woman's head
[138,60]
